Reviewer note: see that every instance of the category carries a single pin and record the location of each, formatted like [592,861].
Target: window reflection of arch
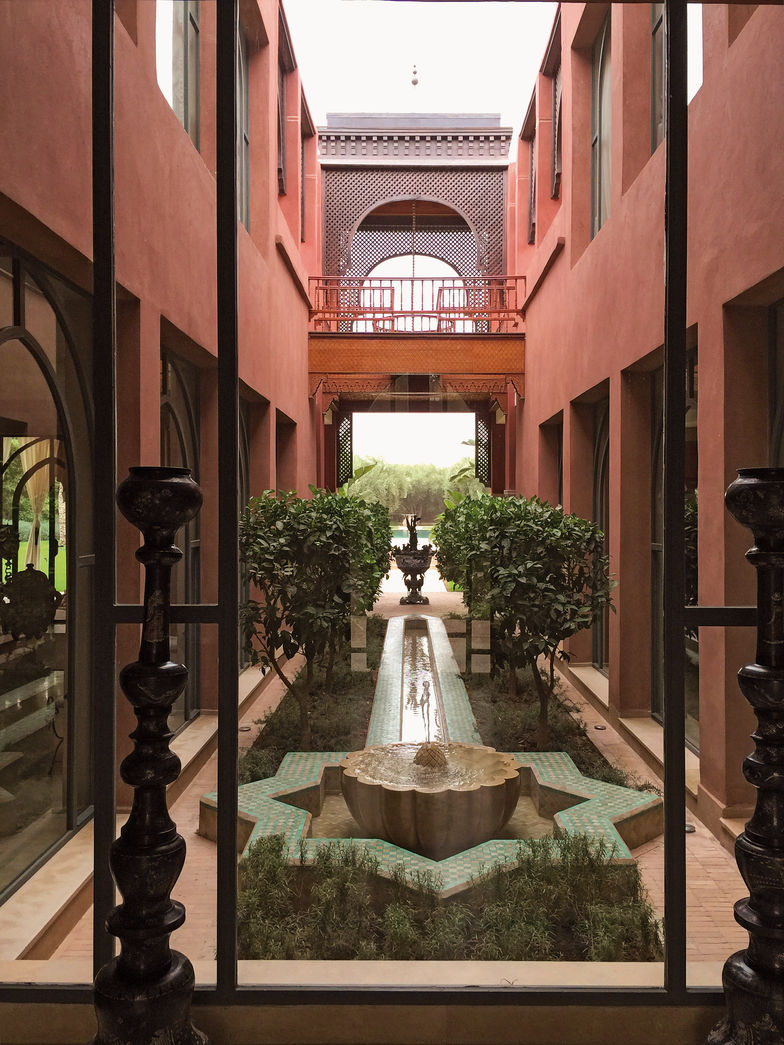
[180,448]
[45,430]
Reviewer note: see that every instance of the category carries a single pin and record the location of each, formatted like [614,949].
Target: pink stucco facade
[594,335]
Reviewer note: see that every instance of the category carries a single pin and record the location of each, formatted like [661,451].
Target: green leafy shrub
[311,562]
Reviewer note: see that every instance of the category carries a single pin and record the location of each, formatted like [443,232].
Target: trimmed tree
[549,579]
[310,560]
[545,573]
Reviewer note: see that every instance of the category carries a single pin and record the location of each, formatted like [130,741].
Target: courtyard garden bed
[564,900]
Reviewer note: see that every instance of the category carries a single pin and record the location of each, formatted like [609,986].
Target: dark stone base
[755,1007]
[415,600]
[157,1013]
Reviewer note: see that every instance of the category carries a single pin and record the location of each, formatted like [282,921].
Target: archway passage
[492,401]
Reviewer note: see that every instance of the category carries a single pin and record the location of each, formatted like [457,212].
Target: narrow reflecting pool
[421,714]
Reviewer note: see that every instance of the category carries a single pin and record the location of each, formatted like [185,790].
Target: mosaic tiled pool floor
[286,803]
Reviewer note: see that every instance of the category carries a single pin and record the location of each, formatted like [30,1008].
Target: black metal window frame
[108,614]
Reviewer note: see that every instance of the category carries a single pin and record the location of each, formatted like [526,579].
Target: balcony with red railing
[417,305]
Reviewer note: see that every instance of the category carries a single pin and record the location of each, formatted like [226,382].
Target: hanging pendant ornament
[414,77]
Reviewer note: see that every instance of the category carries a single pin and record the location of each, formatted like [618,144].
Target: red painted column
[511,439]
[330,454]
[497,456]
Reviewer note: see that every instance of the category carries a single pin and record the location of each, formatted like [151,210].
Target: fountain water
[424,792]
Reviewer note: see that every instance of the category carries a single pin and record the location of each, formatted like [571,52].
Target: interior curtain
[37,487]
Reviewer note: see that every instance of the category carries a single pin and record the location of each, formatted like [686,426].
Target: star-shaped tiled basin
[285,804]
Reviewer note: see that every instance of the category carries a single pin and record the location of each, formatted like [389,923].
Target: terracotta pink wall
[165,233]
[598,318]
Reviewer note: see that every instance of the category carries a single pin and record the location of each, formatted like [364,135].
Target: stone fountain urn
[432,799]
[413,562]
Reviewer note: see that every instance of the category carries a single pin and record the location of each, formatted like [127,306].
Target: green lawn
[59,563]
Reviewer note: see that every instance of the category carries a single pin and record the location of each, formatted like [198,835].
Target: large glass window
[657,75]
[532,190]
[555,188]
[601,125]
[243,129]
[45,558]
[177,60]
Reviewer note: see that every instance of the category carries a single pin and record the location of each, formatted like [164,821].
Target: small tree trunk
[512,685]
[330,663]
[542,725]
[303,699]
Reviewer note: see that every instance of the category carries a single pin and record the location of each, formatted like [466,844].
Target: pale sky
[358,55]
[413,438]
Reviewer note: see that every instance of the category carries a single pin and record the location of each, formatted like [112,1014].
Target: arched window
[46,552]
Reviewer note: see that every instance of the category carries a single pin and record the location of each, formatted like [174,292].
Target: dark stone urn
[143,996]
[413,562]
[754,978]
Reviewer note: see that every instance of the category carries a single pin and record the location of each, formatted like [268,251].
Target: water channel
[421,710]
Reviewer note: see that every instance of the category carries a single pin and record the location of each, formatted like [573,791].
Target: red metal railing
[417,304]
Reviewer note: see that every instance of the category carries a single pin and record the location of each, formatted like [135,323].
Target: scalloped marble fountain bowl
[436,812]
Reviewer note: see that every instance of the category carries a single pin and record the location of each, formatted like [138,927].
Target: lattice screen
[482,448]
[374,243]
[345,449]
[352,193]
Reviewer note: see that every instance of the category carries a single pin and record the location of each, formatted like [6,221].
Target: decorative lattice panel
[482,448]
[374,243]
[345,449]
[350,194]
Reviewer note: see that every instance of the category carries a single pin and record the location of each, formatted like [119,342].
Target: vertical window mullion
[228,514]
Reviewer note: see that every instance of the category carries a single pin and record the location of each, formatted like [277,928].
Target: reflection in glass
[691,636]
[180,449]
[45,532]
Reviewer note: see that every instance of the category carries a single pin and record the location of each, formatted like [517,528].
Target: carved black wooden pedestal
[143,996]
[754,978]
